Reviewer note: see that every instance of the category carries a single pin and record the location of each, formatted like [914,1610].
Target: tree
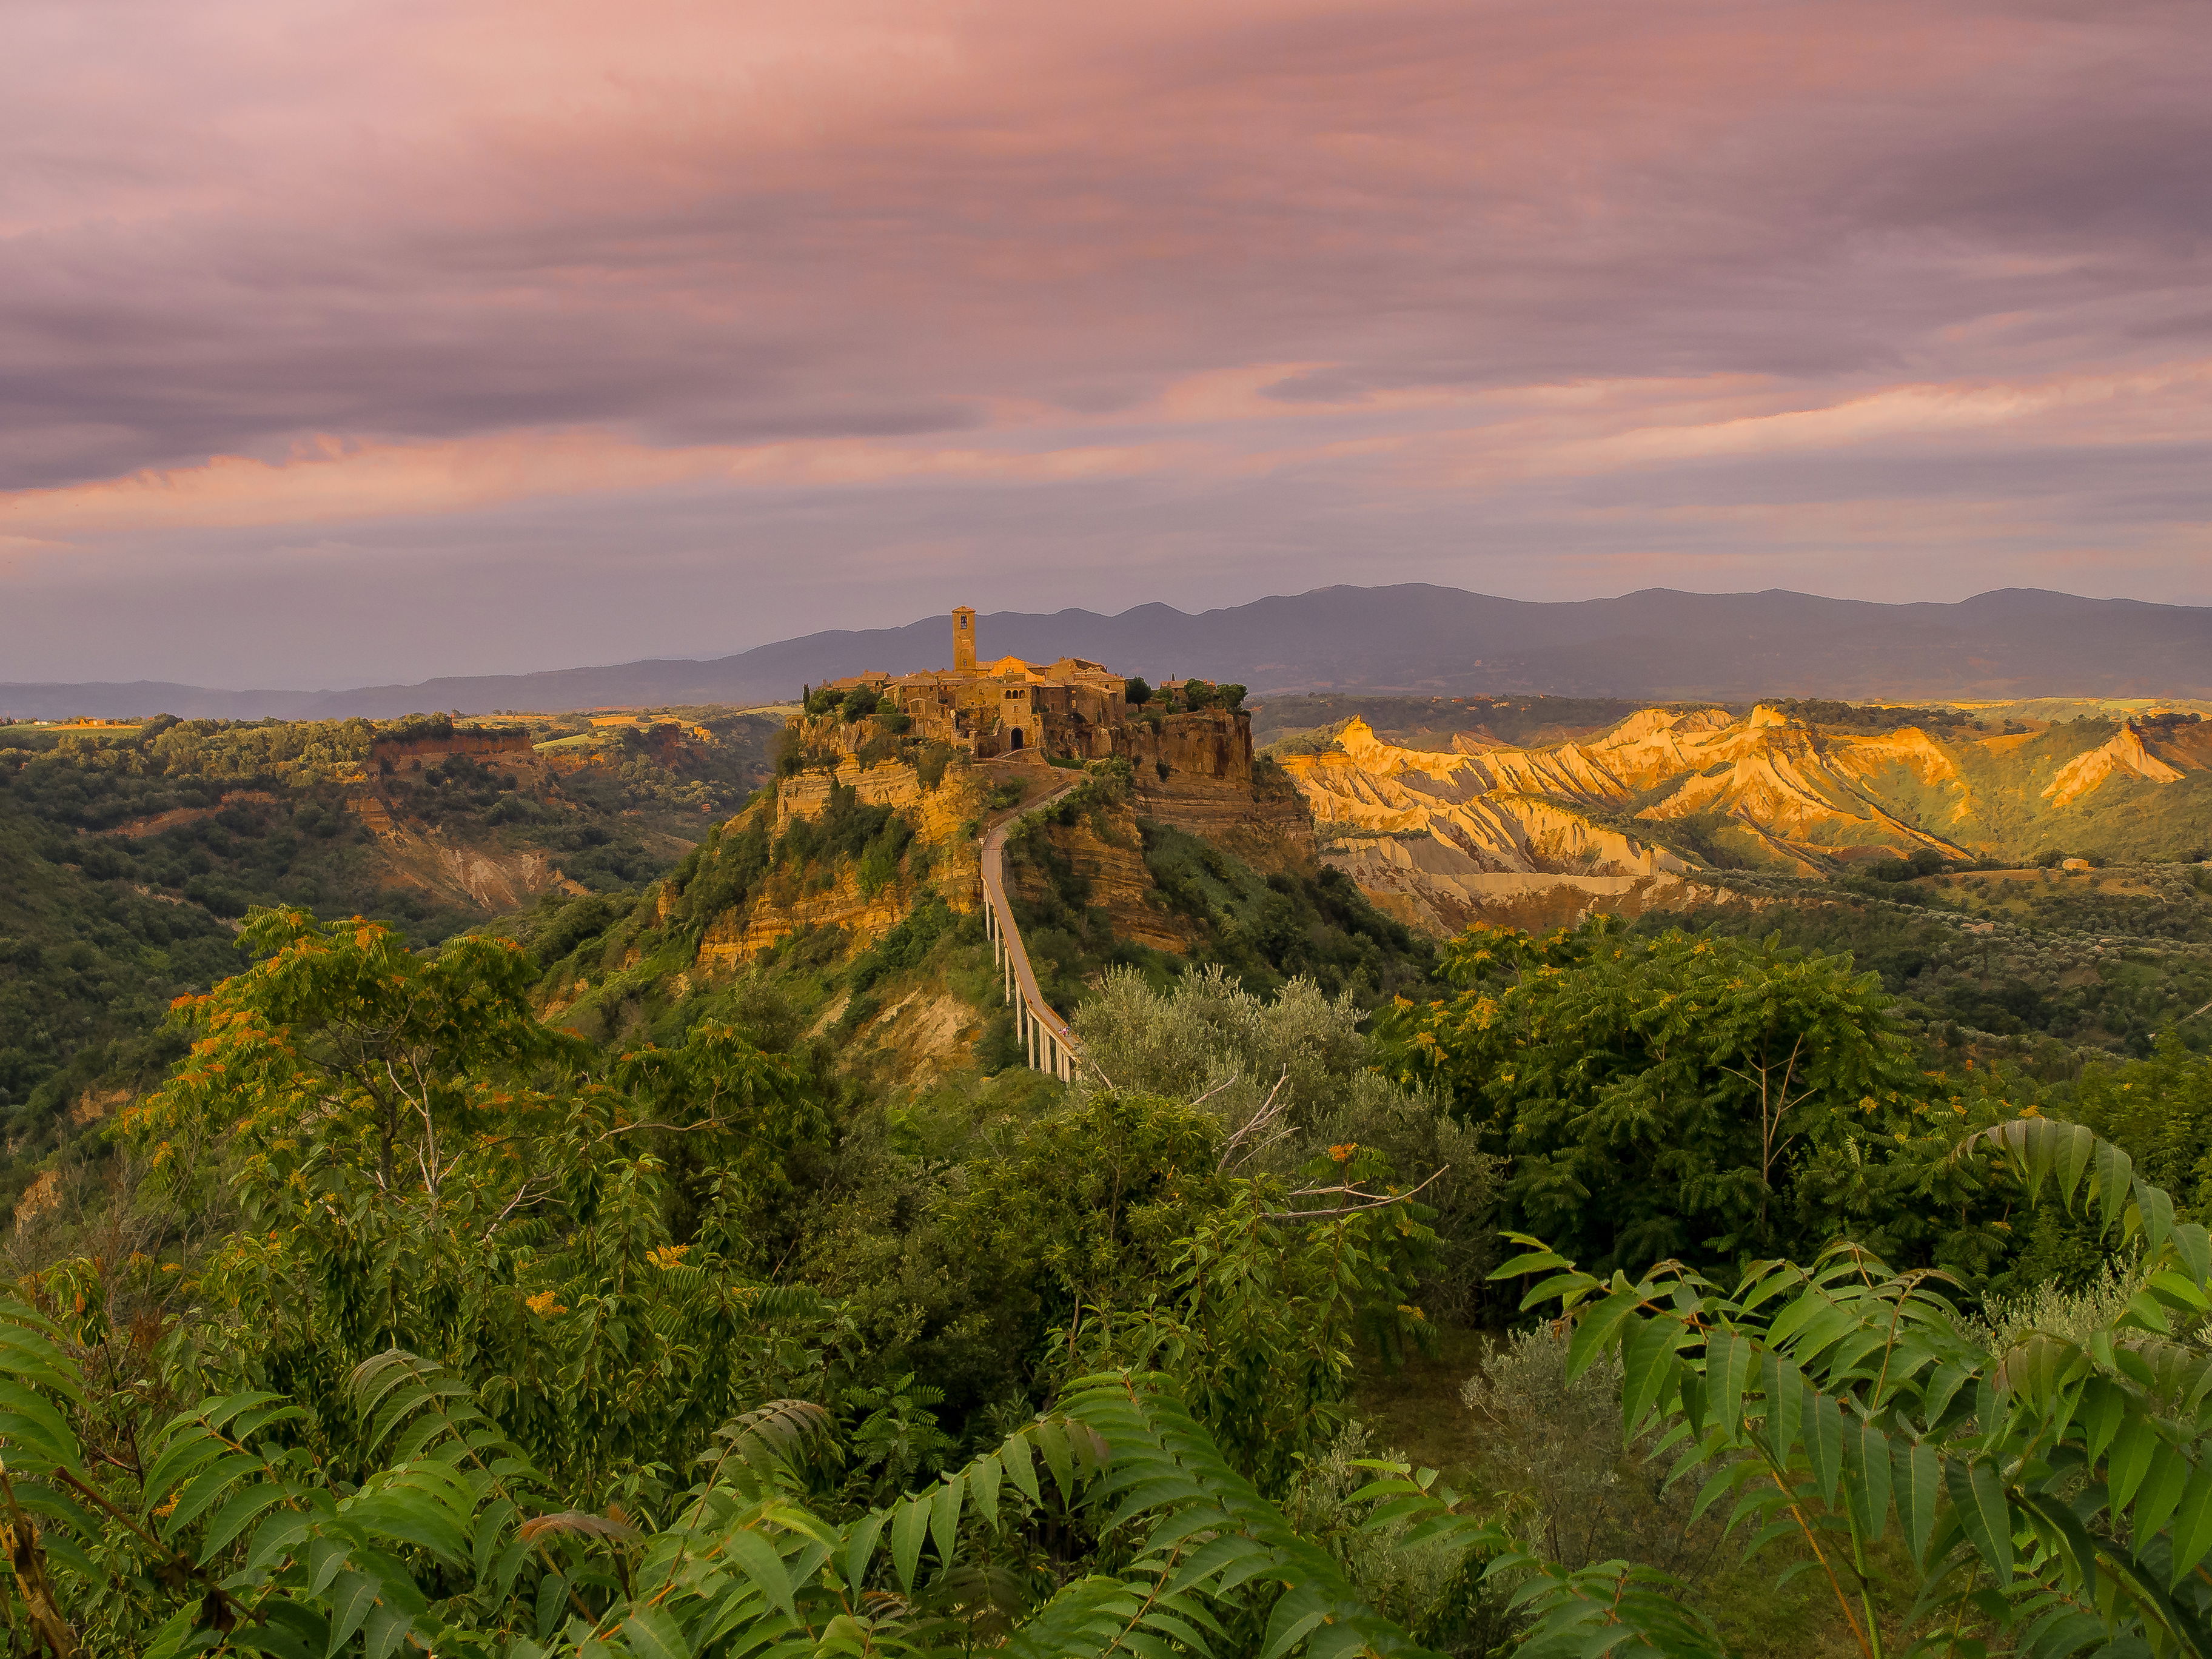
[1662,1097]
[419,1163]
[1138,691]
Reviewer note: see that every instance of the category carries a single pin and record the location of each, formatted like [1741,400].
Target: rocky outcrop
[1487,814]
[1213,744]
[1196,772]
[479,878]
[414,754]
[886,783]
[1483,827]
[1106,852]
[2125,755]
[1793,801]
[943,818]
[745,932]
[1427,885]
[42,1197]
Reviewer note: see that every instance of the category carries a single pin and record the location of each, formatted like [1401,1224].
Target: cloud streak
[1218,297]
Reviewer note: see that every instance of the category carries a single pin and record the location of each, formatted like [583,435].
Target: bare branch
[1370,1201]
[521,1194]
[1236,1148]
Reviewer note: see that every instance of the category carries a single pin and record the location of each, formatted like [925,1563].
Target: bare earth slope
[1617,818]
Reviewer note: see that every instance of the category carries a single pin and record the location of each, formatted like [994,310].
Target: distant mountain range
[1658,644]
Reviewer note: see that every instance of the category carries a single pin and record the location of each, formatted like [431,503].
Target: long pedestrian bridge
[1047,1040]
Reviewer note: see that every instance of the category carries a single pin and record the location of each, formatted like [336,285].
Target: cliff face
[1500,812]
[1442,839]
[1197,772]
[1106,852]
[791,901]
[745,932]
[1781,787]
[412,754]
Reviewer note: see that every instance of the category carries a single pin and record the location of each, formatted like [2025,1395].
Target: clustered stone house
[1070,708]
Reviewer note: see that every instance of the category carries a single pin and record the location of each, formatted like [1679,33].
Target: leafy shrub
[1700,1098]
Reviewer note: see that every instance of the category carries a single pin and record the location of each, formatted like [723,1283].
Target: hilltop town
[1070,709]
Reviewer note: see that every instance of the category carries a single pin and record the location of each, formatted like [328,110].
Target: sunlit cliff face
[669,328]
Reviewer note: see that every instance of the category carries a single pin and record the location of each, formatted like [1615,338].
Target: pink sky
[345,342]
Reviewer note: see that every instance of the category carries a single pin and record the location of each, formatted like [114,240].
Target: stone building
[1069,708]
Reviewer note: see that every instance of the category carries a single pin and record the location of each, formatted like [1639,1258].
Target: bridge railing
[1047,1041]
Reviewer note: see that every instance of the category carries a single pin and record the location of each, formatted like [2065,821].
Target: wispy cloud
[1260,293]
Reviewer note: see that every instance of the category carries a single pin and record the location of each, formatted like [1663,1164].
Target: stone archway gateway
[1015,738]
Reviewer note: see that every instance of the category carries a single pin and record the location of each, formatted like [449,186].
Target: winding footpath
[1046,1038]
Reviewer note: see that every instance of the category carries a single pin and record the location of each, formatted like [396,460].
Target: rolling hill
[1655,645]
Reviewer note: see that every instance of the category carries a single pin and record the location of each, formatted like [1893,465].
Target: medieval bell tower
[964,639]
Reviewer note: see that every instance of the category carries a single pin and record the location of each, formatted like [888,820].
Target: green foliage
[87,965]
[2046,1474]
[448,1175]
[497,1355]
[1874,718]
[1199,695]
[931,760]
[227,1538]
[1712,1099]
[1287,1078]
[906,946]
[2158,1108]
[419,1324]
[877,837]
[2070,961]
[1260,1330]
[129,856]
[1139,691]
[1924,861]
[732,865]
[564,924]
[1265,928]
[1086,1207]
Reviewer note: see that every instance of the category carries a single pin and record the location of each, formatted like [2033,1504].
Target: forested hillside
[691,1265]
[129,855]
